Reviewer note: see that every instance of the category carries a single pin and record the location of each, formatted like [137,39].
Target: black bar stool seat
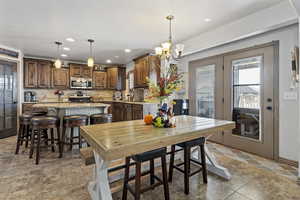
[149,155]
[139,159]
[192,143]
[100,118]
[40,126]
[75,120]
[72,121]
[24,132]
[187,160]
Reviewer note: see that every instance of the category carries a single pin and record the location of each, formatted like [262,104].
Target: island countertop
[64,105]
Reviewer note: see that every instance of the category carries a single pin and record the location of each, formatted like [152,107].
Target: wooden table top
[121,139]
[69,105]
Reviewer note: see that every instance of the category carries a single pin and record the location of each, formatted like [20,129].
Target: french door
[238,87]
[249,99]
[206,91]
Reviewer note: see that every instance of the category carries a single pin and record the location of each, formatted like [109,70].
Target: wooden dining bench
[87,155]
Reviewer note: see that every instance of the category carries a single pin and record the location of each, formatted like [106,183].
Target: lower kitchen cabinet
[137,112]
[126,111]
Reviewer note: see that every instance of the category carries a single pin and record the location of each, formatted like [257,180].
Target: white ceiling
[33,25]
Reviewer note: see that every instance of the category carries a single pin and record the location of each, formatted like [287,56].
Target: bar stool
[24,132]
[100,118]
[72,121]
[187,159]
[139,159]
[40,126]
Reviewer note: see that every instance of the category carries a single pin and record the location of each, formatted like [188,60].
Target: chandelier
[168,50]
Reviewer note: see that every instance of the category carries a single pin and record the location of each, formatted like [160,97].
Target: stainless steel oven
[81,83]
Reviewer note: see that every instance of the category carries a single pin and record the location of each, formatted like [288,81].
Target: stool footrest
[151,187]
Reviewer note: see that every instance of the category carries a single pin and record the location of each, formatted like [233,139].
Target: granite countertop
[128,102]
[100,101]
[69,105]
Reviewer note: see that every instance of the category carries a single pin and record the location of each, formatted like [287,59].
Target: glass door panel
[246,96]
[205,91]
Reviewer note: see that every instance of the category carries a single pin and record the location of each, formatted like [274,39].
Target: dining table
[118,140]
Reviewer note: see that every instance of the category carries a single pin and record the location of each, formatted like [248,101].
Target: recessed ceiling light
[64,55]
[66,48]
[108,61]
[116,56]
[207,19]
[70,39]
[127,50]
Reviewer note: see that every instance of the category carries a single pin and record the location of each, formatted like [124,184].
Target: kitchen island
[62,109]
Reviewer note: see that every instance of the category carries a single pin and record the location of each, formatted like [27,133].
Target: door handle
[269,107]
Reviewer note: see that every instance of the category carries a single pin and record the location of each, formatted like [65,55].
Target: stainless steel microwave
[81,83]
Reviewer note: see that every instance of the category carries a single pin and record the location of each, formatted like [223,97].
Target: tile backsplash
[44,95]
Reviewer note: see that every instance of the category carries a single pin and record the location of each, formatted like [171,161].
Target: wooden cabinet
[126,111]
[99,80]
[82,71]
[30,73]
[37,73]
[117,112]
[43,74]
[75,70]
[137,112]
[60,78]
[146,66]
[87,72]
[116,78]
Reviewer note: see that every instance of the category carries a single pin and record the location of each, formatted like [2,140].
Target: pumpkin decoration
[148,119]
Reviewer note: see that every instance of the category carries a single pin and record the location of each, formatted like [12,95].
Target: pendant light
[90,61]
[58,62]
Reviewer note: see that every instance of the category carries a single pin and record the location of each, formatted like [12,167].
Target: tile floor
[66,179]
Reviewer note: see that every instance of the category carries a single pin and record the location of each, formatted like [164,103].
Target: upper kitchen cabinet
[37,73]
[60,78]
[99,80]
[43,72]
[146,66]
[30,73]
[87,72]
[116,78]
[80,71]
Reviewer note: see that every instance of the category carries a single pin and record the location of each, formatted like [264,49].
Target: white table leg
[99,188]
[211,163]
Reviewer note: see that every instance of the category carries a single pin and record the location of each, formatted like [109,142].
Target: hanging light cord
[57,51]
[90,49]
[170,30]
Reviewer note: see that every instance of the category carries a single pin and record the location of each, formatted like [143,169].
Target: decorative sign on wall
[98,67]
[295,67]
[9,53]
